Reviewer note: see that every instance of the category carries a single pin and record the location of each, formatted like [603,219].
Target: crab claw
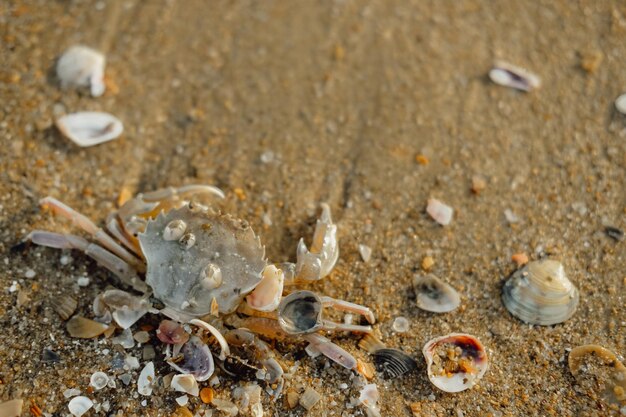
[266,295]
[317,262]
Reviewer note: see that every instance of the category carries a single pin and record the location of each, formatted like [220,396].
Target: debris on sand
[511,76]
[440,212]
[80,66]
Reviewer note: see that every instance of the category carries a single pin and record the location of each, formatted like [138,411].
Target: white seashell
[369,396]
[400,325]
[99,380]
[90,128]
[440,212]
[365,252]
[511,76]
[146,379]
[432,294]
[620,104]
[80,66]
[540,293]
[79,405]
[266,296]
[185,383]
[455,362]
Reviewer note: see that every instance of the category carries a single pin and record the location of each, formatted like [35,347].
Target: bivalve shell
[90,128]
[79,405]
[432,294]
[80,66]
[456,362]
[540,293]
[393,363]
[599,372]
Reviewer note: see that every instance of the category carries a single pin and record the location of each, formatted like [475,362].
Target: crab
[209,270]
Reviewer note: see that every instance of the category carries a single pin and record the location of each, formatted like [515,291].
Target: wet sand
[285,105]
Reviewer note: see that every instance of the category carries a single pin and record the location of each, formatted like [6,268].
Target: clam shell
[432,294]
[456,362]
[540,293]
[84,328]
[90,128]
[79,405]
[80,66]
[393,363]
[197,360]
[599,372]
[65,306]
[146,379]
[511,76]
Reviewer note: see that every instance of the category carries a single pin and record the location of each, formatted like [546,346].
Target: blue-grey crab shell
[182,271]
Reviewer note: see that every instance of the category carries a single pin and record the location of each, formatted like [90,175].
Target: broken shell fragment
[11,408]
[599,372]
[185,383]
[99,380]
[309,398]
[80,66]
[540,293]
[514,77]
[79,405]
[84,328]
[432,294]
[266,295]
[195,359]
[146,379]
[620,104]
[90,128]
[456,362]
[65,306]
[440,212]
[172,333]
[393,363]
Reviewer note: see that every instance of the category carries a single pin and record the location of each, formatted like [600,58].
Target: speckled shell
[540,293]
[175,267]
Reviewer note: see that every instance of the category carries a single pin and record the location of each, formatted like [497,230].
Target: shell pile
[540,293]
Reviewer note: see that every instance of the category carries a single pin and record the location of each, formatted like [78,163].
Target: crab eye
[300,313]
[174,230]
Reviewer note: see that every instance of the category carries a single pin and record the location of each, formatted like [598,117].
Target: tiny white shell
[439,211]
[90,128]
[79,405]
[434,295]
[620,104]
[509,75]
[99,380]
[185,383]
[80,66]
[146,379]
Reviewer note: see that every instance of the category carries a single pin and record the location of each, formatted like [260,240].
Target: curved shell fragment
[79,405]
[185,383]
[599,372]
[90,128]
[511,76]
[432,294]
[456,362]
[266,296]
[440,212]
[540,293]
[146,379]
[197,360]
[80,66]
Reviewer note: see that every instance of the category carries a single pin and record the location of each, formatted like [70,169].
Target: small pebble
[29,273]
[510,216]
[99,380]
[148,353]
[49,356]
[620,104]
[440,212]
[366,252]
[125,378]
[83,281]
[65,260]
[267,157]
[421,159]
[400,325]
[427,263]
[478,184]
[207,394]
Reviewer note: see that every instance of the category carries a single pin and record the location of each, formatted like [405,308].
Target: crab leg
[316,263]
[78,219]
[114,227]
[333,326]
[350,307]
[243,337]
[105,258]
[331,350]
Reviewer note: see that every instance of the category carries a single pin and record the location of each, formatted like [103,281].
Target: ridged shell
[456,362]
[393,363]
[65,306]
[599,372]
[540,293]
[434,295]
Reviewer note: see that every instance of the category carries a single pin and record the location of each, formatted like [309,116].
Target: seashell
[99,380]
[65,306]
[266,296]
[509,75]
[80,66]
[127,308]
[369,396]
[393,363]
[440,212]
[79,405]
[309,398]
[455,362]
[432,294]
[172,333]
[11,408]
[90,128]
[146,379]
[227,407]
[540,293]
[185,383]
[599,372]
[620,104]
[240,368]
[84,328]
[196,360]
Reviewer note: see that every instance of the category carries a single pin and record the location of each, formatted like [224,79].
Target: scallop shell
[80,66]
[90,128]
[432,294]
[456,362]
[84,328]
[393,363]
[598,371]
[79,405]
[540,293]
[65,306]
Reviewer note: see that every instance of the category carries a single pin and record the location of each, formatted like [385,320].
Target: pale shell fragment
[79,405]
[84,328]
[146,379]
[80,66]
[90,128]
[456,362]
[365,252]
[185,383]
[511,76]
[434,295]
[99,380]
[369,396]
[440,212]
[266,296]
[540,293]
[620,104]
[599,372]
[11,408]
[65,306]
[309,398]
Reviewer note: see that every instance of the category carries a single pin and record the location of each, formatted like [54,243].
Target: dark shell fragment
[393,363]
